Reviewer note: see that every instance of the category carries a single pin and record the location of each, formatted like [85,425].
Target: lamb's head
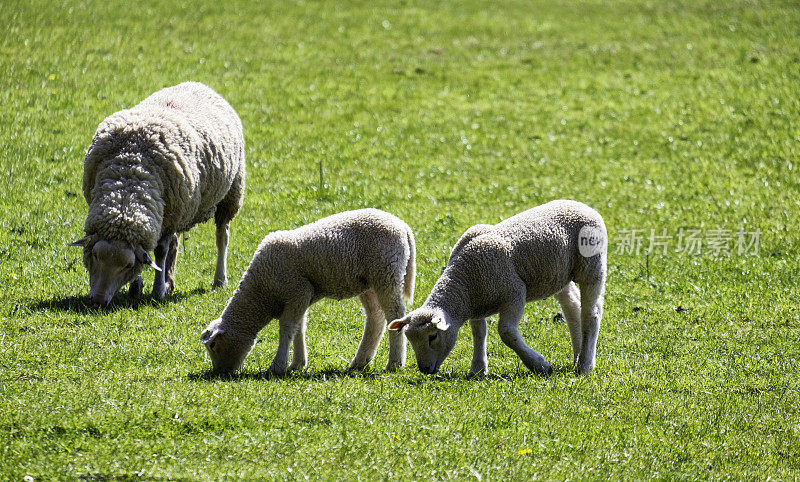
[226,347]
[111,264]
[431,335]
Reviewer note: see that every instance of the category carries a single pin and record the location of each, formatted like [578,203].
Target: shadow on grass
[332,373]
[326,374]
[79,304]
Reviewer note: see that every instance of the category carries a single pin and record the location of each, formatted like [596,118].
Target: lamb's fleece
[536,254]
[367,252]
[156,169]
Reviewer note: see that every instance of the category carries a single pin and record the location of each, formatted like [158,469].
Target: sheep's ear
[143,257]
[81,242]
[398,325]
[440,323]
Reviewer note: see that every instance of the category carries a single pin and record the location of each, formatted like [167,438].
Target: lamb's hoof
[297,367]
[544,369]
[219,283]
[170,287]
[394,366]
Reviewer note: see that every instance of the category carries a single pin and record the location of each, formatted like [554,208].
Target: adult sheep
[538,253]
[153,171]
[367,253]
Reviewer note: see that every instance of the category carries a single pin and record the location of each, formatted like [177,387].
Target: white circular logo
[591,241]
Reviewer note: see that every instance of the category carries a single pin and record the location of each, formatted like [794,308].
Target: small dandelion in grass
[52,77]
[524,451]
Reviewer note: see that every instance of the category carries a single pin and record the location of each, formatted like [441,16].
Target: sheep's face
[226,349]
[431,335]
[111,264]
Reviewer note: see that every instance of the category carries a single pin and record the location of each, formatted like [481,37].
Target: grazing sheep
[153,171]
[538,253]
[368,252]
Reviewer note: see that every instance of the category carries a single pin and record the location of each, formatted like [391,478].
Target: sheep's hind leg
[508,326]
[171,262]
[374,326]
[480,361]
[221,272]
[161,251]
[591,314]
[394,309]
[570,300]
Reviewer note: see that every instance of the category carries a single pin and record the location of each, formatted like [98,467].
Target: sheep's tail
[411,269]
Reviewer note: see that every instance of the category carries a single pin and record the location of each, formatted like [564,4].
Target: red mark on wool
[172,104]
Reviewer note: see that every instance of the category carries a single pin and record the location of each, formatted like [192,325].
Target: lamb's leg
[136,288]
[570,300]
[393,309]
[171,262]
[480,361]
[591,314]
[508,326]
[299,350]
[221,273]
[159,285]
[374,326]
[289,325]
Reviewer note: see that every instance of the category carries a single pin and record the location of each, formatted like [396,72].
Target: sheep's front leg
[161,251]
[374,326]
[591,314]
[394,309]
[221,272]
[480,361]
[299,350]
[570,300]
[290,324]
[136,288]
[508,326]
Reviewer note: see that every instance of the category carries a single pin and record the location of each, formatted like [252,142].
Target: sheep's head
[431,335]
[226,348]
[111,264]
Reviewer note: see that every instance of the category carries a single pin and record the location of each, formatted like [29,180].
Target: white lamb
[367,252]
[538,253]
[153,171]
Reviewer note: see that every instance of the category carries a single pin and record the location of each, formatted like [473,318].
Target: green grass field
[676,117]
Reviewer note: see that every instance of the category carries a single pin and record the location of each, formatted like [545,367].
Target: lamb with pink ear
[545,251]
[153,171]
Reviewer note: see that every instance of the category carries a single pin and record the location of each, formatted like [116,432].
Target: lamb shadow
[521,373]
[79,304]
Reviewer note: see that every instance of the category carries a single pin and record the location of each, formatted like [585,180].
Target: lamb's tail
[411,269]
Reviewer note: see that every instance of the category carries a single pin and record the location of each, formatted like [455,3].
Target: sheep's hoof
[219,283]
[136,288]
[159,292]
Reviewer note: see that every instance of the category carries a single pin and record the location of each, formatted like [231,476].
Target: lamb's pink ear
[81,242]
[440,323]
[398,325]
[143,257]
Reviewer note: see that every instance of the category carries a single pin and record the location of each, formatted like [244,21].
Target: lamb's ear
[210,334]
[398,325]
[81,242]
[143,257]
[440,323]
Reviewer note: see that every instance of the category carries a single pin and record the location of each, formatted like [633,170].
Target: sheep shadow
[324,375]
[332,373]
[79,304]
